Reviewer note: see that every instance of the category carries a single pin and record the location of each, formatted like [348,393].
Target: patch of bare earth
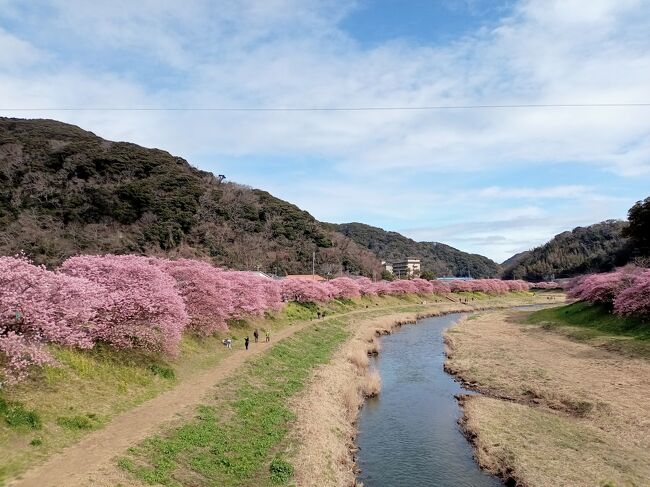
[554,411]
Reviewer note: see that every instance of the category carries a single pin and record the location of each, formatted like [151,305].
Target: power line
[326,109]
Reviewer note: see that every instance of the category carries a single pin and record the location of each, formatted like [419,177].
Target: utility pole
[313,265]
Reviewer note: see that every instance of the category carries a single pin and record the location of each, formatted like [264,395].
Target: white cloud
[16,53]
[288,53]
[569,191]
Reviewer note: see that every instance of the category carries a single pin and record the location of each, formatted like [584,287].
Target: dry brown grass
[372,384]
[374,346]
[359,358]
[561,412]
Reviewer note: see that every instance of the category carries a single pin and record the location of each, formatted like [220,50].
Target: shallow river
[409,436]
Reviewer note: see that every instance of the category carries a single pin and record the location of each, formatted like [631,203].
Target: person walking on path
[268,336]
[246,341]
[256,335]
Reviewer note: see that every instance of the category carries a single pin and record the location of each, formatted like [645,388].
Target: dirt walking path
[89,460]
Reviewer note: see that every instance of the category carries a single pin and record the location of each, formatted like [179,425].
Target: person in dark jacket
[246,342]
[256,335]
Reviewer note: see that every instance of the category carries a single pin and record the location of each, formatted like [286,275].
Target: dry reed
[359,358]
[371,384]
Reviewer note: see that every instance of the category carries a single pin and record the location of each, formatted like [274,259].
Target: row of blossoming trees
[135,302]
[626,290]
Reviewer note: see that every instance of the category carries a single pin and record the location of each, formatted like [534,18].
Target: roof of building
[261,274]
[306,277]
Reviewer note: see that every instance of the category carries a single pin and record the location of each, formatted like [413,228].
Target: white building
[406,269]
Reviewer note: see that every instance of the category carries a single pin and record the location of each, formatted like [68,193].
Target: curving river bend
[409,436]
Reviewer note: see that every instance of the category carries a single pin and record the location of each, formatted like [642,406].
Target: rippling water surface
[409,435]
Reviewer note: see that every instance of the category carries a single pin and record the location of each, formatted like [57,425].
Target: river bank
[324,431]
[559,405]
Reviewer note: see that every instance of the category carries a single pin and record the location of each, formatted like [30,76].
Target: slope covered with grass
[593,319]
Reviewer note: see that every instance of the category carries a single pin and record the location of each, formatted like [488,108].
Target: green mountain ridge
[595,248]
[437,258]
[64,190]
[515,258]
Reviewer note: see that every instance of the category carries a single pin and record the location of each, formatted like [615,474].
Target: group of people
[227,342]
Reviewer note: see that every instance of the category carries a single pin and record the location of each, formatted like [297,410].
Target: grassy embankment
[59,405]
[565,395]
[597,324]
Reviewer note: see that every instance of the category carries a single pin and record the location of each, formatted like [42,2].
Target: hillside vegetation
[599,247]
[437,258]
[64,190]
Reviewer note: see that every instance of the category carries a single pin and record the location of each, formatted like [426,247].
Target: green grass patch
[300,311]
[162,371]
[594,319]
[232,441]
[280,470]
[79,422]
[17,416]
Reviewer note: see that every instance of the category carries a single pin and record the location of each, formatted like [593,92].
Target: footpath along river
[408,435]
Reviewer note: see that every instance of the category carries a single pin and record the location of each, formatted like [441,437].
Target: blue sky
[491,181]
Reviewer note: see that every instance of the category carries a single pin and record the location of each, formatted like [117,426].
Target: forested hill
[599,247]
[438,258]
[64,190]
[515,259]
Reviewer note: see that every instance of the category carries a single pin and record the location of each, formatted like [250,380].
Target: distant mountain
[595,248]
[515,259]
[64,190]
[438,258]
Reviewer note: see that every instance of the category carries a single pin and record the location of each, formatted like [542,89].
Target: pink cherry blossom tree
[54,307]
[635,299]
[144,309]
[20,355]
[304,291]
[206,292]
[440,287]
[344,287]
[366,287]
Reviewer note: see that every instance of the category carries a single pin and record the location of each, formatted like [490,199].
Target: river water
[408,435]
